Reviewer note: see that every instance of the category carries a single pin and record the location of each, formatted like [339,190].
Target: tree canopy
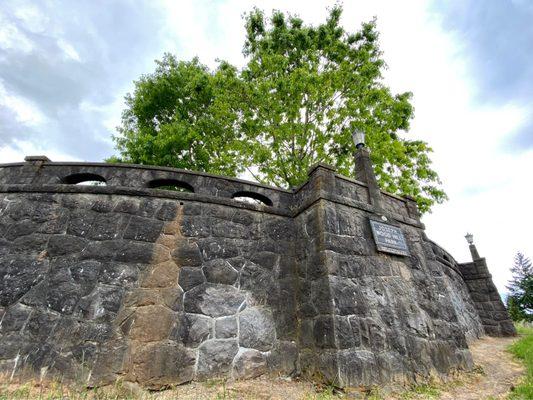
[296,101]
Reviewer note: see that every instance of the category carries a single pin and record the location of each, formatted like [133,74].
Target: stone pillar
[32,168]
[365,173]
[474,252]
[489,305]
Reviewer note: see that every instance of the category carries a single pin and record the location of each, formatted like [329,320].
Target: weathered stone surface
[220,271]
[158,365]
[193,329]
[256,329]
[190,278]
[226,327]
[214,300]
[249,363]
[151,323]
[215,358]
[144,229]
[187,254]
[161,275]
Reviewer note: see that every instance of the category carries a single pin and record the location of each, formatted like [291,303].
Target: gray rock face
[249,364]
[214,300]
[215,357]
[162,287]
[257,329]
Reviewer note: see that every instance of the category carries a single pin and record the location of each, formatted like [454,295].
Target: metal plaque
[389,238]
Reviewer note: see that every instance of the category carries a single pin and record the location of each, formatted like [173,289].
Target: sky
[66,66]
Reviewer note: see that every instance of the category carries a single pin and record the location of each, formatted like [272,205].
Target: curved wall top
[139,180]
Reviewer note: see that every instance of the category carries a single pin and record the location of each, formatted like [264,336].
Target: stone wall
[163,287]
[487,300]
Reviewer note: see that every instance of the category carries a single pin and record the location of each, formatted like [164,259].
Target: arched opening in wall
[84,179]
[252,198]
[170,184]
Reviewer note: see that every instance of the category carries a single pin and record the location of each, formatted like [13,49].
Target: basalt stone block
[147,207]
[21,228]
[265,259]
[248,364]
[324,332]
[103,205]
[120,250]
[109,363]
[18,274]
[258,281]
[219,248]
[63,297]
[64,244]
[243,217]
[143,229]
[159,365]
[347,332]
[107,226]
[226,327]
[214,300]
[228,229]
[151,323]
[190,278]
[256,328]
[33,243]
[193,329]
[167,211]
[187,254]
[345,244]
[93,332]
[128,206]
[356,367]
[192,209]
[215,358]
[122,274]
[81,222]
[85,273]
[284,358]
[102,303]
[345,295]
[41,324]
[321,295]
[195,226]
[14,318]
[220,271]
[279,229]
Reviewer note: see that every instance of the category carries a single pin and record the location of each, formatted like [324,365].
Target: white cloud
[68,50]
[25,111]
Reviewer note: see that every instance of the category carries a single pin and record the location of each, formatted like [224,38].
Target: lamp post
[473,250]
[364,172]
[358,139]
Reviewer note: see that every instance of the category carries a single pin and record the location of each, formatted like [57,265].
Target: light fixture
[469,238]
[358,138]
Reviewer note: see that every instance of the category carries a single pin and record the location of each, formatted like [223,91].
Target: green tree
[302,92]
[184,116]
[520,299]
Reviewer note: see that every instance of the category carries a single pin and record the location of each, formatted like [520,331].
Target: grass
[523,350]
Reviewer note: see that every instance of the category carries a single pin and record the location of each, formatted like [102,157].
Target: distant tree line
[520,299]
